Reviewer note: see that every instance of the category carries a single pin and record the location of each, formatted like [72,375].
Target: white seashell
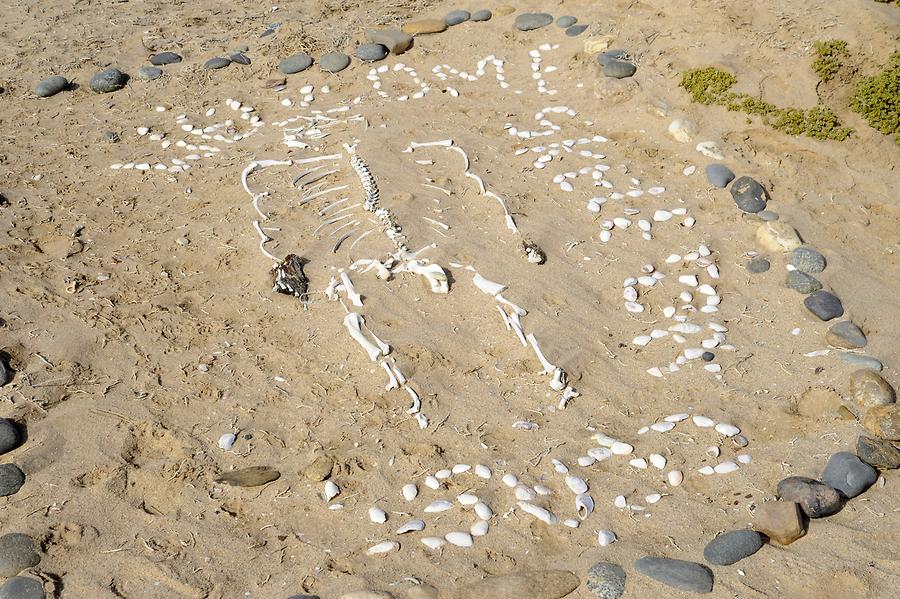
[584,505]
[686,297]
[642,340]
[639,463]
[744,458]
[467,499]
[571,523]
[409,491]
[712,451]
[655,371]
[689,170]
[576,485]
[729,430]
[331,490]
[540,513]
[411,526]
[226,441]
[692,353]
[432,482]
[688,328]
[726,467]
[704,422]
[482,471]
[524,493]
[383,547]
[662,427]
[634,307]
[460,539]
[653,498]
[439,505]
[483,511]
[630,293]
[586,460]
[605,236]
[562,468]
[460,468]
[662,216]
[669,311]
[706,289]
[443,474]
[658,460]
[510,480]
[706,470]
[479,529]
[675,477]
[621,222]
[643,430]
[600,453]
[606,538]
[377,515]
[433,542]
[676,417]
[620,448]
[620,502]
[688,280]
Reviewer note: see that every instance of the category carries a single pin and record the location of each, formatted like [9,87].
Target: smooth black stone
[164,58]
[566,21]
[576,30]
[532,20]
[239,58]
[679,574]
[733,546]
[707,356]
[19,587]
[216,63]
[606,580]
[802,282]
[295,64]
[816,499]
[605,57]
[719,175]
[878,453]
[455,17]
[758,265]
[824,305]
[482,15]
[150,73]
[6,373]
[371,52]
[808,260]
[11,479]
[9,435]
[848,474]
[16,554]
[846,331]
[51,86]
[749,195]
[619,69]
[334,62]
[108,81]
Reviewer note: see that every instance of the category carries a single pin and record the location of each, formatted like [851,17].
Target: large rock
[19,587]
[884,421]
[868,389]
[846,335]
[334,62]
[848,474]
[108,81]
[808,260]
[455,17]
[371,52]
[731,547]
[878,453]
[164,58]
[679,574]
[824,305]
[11,479]
[748,194]
[9,435]
[776,236]
[529,21]
[397,42]
[295,64]
[606,580]
[719,175]
[51,86]
[16,553]
[781,521]
[619,69]
[815,498]
[546,584]
[860,361]
[801,282]
[424,26]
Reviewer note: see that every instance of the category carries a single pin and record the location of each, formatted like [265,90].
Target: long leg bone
[353,322]
[352,295]
[548,367]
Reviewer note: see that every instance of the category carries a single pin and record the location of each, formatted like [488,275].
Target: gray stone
[295,64]
[334,62]
[51,86]
[758,265]
[860,361]
[848,474]
[528,21]
[150,73]
[576,30]
[619,69]
[606,580]
[108,81]
[566,21]
[748,194]
[11,480]
[606,57]
[868,389]
[164,58]
[808,260]
[802,282]
[846,335]
[679,574]
[239,58]
[482,15]
[731,547]
[396,41]
[719,175]
[455,17]
[16,554]
[6,373]
[878,453]
[217,63]
[303,597]
[768,215]
[824,305]
[371,52]
[816,499]
[19,587]
[9,435]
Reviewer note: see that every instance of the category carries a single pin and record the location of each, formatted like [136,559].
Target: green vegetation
[897,2]
[877,99]
[828,58]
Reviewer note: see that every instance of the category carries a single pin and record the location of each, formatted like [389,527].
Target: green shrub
[828,58]
[707,86]
[877,99]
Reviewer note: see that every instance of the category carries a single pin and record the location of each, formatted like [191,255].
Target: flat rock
[334,62]
[576,30]
[884,421]
[9,435]
[11,479]
[878,453]
[253,476]
[719,175]
[802,282]
[758,265]
[149,73]
[455,17]
[51,86]
[546,584]
[503,10]
[824,305]
[767,215]
[848,474]
[239,58]
[731,547]
[396,41]
[19,587]
[371,52]
[860,361]
[619,69]
[748,194]
[295,64]
[606,580]
[319,469]
[605,58]
[808,260]
[566,21]
[781,521]
[676,573]
[815,498]
[593,45]
[777,236]
[846,335]
[216,63]
[108,81]
[164,58]
[425,26]
[529,21]
[868,389]
[16,554]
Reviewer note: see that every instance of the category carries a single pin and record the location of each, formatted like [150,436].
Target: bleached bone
[489,287]
[516,309]
[317,159]
[352,295]
[413,145]
[465,156]
[397,373]
[510,223]
[441,189]
[559,379]
[416,402]
[353,322]
[384,347]
[433,272]
[421,420]
[263,239]
[505,318]
[382,271]
[548,367]
[360,238]
[538,512]
[568,394]
[332,205]
[310,198]
[518,328]
[392,382]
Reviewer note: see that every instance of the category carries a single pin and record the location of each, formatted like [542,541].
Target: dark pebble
[532,20]
[749,195]
[108,81]
[371,52]
[707,356]
[679,574]
[334,62]
[51,86]
[295,64]
[824,305]
[848,474]
[606,57]
[878,453]
[164,58]
[606,580]
[846,335]
[808,260]
[566,21]
[816,499]
[149,73]
[16,554]
[455,17]
[239,58]
[758,265]
[719,175]
[482,15]
[6,373]
[576,30]
[11,480]
[9,435]
[619,69]
[802,282]
[733,546]
[19,587]
[217,63]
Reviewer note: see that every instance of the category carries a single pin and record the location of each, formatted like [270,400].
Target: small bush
[828,58]
[877,99]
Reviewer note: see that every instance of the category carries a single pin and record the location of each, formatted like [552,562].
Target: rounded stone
[16,553]
[758,265]
[371,52]
[707,356]
[576,30]
[848,474]
[334,62]
[860,361]
[420,591]
[19,587]
[396,41]
[846,335]
[319,469]
[482,15]
[781,521]
[768,215]
[9,435]
[777,236]
[878,453]
[164,58]
[815,498]
[108,81]
[719,175]
[733,546]
[6,373]
[676,573]
[295,64]
[149,73]
[11,480]
[808,260]
[239,58]
[529,21]
[619,69]
[424,26]
[868,389]
[606,580]
[216,63]
[51,86]
[455,17]
[824,305]
[748,194]
[566,21]
[802,282]
[884,421]
[610,55]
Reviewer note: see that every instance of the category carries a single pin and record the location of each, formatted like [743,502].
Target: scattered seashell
[409,491]
[662,427]
[620,448]
[443,474]
[377,515]
[576,485]
[524,493]
[479,528]
[706,470]
[433,542]
[584,505]
[383,547]
[729,430]
[439,505]
[712,451]
[460,468]
[411,526]
[483,511]
[586,460]
[226,441]
[331,490]
[606,538]
[432,482]
[460,539]
[482,471]
[467,499]
[542,490]
[639,463]
[540,513]
[562,468]
[620,501]
[675,477]
[510,480]
[571,523]
[599,453]
[658,460]
[726,467]
[744,458]
[703,421]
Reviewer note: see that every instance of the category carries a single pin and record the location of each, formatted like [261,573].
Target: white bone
[516,309]
[505,318]
[392,382]
[413,145]
[318,158]
[416,402]
[353,321]
[354,297]
[517,328]
[489,287]
[548,367]
[263,239]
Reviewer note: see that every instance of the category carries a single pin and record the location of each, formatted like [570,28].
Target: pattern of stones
[606,580]
[758,265]
[848,474]
[566,21]
[164,58]
[781,521]
[530,21]
[239,58]
[424,26]
[878,453]
[19,587]
[824,305]
[334,62]
[808,260]
[777,236]
[847,335]
[51,86]
[482,15]
[679,574]
[396,41]
[216,63]
[815,498]
[748,194]
[719,175]
[868,389]
[108,81]
[619,69]
[455,17]
[731,547]
[371,52]
[802,282]
[149,73]
[576,30]
[9,435]
[295,64]
[11,479]
[16,553]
